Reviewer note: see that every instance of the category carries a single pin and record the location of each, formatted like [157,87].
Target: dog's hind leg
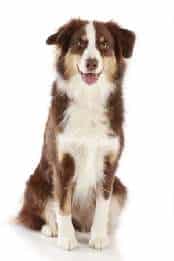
[38,191]
[30,219]
[118,199]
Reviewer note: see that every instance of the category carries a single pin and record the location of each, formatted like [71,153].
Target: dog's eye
[81,44]
[104,46]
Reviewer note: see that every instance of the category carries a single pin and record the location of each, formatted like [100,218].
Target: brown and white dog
[74,186]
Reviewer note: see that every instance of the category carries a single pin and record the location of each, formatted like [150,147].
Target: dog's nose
[91,64]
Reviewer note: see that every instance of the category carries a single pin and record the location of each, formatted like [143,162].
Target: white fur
[66,235]
[49,231]
[85,135]
[91,50]
[49,215]
[114,214]
[99,231]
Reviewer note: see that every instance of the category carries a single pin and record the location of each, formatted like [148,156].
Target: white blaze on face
[91,50]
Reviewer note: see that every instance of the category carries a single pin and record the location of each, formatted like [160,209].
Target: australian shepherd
[74,187]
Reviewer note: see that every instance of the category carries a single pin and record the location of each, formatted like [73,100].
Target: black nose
[91,64]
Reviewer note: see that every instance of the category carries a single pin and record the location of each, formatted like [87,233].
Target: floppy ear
[61,35]
[125,38]
[64,34]
[52,39]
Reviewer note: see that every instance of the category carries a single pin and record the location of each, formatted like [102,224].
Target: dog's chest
[86,137]
[86,121]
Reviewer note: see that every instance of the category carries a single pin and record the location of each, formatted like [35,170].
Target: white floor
[134,242]
[26,245]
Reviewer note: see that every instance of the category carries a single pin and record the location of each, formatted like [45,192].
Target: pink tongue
[89,78]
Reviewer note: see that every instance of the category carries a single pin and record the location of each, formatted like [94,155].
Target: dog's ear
[63,36]
[52,39]
[125,37]
[59,37]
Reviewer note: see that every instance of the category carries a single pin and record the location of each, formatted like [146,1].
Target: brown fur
[64,37]
[53,176]
[59,104]
[109,169]
[102,31]
[66,176]
[120,191]
[39,188]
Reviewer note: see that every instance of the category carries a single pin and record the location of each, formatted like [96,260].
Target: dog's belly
[85,138]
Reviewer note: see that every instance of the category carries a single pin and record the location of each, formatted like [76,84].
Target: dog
[74,187]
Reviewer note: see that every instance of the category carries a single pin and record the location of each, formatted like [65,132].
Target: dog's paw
[99,242]
[49,231]
[67,243]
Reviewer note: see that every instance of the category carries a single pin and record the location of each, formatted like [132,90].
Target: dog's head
[91,49]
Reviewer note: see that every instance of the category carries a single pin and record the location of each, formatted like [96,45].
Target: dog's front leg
[66,233]
[99,231]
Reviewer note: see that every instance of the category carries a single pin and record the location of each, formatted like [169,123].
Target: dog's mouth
[89,78]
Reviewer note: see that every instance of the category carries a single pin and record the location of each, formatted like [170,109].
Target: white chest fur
[85,136]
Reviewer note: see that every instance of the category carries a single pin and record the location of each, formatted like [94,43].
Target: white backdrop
[147,165]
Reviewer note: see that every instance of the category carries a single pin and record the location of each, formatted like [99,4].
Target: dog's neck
[83,94]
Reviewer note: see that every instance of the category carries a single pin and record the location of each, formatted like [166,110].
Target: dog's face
[91,49]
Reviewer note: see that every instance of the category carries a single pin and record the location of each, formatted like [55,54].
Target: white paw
[49,231]
[67,243]
[99,242]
